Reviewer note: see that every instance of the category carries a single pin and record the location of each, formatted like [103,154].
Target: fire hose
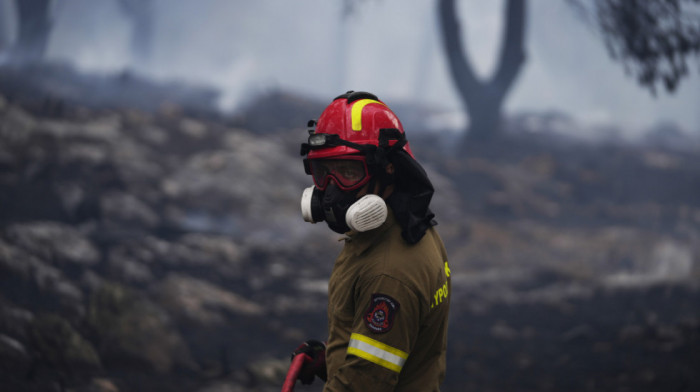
[293,373]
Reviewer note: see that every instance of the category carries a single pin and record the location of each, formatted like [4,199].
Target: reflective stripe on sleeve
[377,352]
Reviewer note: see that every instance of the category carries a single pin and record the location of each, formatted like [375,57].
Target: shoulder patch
[379,317]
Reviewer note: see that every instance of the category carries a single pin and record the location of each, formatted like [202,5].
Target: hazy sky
[389,47]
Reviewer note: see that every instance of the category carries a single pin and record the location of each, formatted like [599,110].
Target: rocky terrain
[160,247]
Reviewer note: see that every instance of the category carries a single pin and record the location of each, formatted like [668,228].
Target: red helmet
[357,129]
[356,117]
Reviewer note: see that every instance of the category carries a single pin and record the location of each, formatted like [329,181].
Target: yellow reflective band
[377,352]
[356,113]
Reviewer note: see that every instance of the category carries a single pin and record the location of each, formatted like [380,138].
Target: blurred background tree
[35,26]
[34,30]
[653,39]
[483,99]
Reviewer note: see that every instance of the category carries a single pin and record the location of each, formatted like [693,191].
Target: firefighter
[389,291]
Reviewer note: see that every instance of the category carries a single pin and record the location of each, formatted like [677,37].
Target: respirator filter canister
[368,213]
[311,209]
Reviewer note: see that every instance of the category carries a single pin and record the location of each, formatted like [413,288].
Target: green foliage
[653,39]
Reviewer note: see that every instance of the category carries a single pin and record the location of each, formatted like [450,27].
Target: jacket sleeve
[384,331]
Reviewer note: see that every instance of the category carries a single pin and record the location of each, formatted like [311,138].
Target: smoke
[8,24]
[92,35]
[389,47]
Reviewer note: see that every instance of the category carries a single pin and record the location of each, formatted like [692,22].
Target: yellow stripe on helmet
[356,112]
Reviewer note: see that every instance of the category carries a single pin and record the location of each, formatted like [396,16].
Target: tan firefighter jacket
[387,312]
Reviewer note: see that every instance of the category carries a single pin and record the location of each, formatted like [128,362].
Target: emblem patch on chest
[379,317]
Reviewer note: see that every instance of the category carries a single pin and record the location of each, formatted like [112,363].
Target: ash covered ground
[148,242]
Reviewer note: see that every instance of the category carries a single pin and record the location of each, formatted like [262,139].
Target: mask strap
[378,173]
[371,184]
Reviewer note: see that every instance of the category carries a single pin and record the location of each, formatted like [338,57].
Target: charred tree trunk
[483,99]
[34,30]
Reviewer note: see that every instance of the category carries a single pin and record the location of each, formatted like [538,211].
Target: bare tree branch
[457,58]
[512,55]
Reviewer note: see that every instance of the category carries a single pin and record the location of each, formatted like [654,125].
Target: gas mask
[341,210]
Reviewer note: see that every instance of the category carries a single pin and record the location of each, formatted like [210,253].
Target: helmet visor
[349,172]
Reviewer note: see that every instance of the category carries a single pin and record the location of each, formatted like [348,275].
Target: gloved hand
[316,366]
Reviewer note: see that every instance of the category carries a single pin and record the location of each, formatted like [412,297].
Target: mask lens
[347,173]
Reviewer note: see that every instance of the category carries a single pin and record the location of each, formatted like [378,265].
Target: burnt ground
[621,340]
[148,247]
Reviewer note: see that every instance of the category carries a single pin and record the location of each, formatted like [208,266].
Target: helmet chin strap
[371,185]
[379,175]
